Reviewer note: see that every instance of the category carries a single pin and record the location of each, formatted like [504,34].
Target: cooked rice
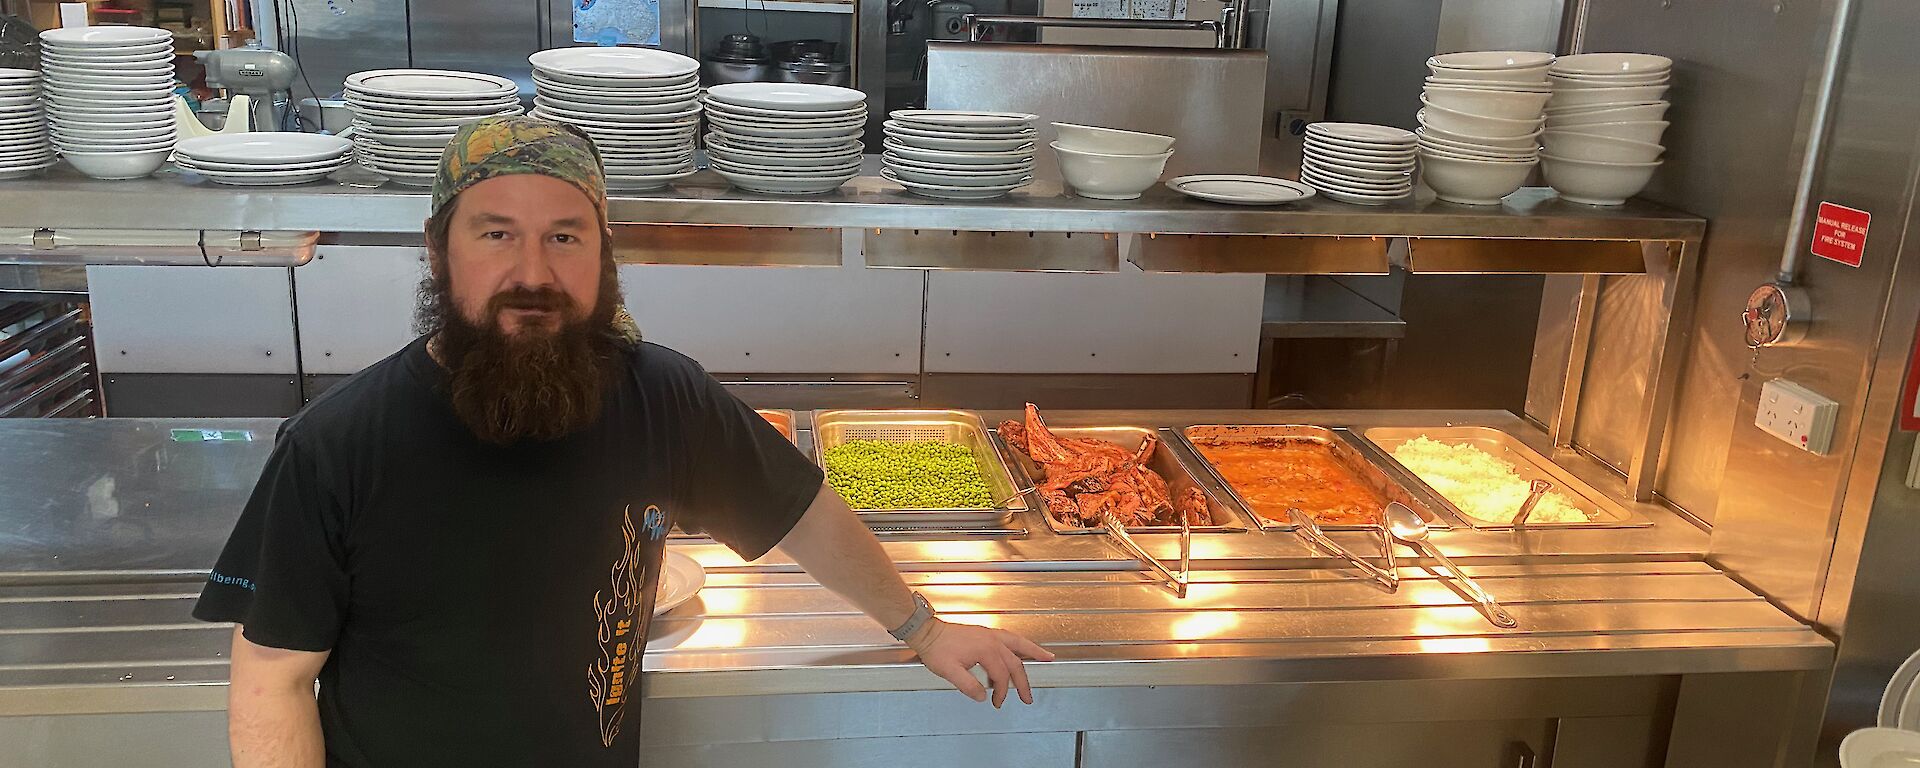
[1483,486]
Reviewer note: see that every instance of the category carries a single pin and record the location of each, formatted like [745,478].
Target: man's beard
[535,384]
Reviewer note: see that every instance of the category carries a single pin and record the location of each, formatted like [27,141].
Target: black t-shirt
[485,605]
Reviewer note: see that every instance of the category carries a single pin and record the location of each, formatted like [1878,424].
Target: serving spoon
[1406,525]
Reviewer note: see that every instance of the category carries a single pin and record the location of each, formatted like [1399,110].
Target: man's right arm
[272,718]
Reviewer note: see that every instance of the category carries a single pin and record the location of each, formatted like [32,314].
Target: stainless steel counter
[356,203]
[1610,622]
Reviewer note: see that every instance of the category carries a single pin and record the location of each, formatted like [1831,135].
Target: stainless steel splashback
[1209,100]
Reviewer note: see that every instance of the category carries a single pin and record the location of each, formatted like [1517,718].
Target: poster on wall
[1130,9]
[616,22]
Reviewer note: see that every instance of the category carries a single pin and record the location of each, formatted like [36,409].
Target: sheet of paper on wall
[1130,9]
[616,22]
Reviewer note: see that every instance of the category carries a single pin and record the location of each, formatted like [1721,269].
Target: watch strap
[922,613]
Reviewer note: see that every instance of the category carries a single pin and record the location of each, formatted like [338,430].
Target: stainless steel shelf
[356,202]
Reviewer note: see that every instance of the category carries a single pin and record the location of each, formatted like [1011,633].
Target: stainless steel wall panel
[332,40]
[782,320]
[1379,58]
[1207,99]
[1499,25]
[192,319]
[1039,750]
[491,36]
[1740,108]
[1469,744]
[151,740]
[356,305]
[982,322]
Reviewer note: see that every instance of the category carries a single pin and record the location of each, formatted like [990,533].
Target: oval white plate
[1241,190]
[1363,133]
[949,192]
[794,96]
[614,63]
[958,120]
[265,148]
[429,84]
[105,37]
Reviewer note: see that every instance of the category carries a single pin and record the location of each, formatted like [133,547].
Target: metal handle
[1304,525]
[974,22]
[1488,607]
[1177,583]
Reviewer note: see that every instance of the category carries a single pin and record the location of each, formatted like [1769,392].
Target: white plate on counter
[106,37]
[947,119]
[785,185]
[1235,189]
[634,183]
[784,114]
[681,578]
[637,111]
[427,85]
[833,135]
[614,63]
[265,148]
[951,192]
[804,97]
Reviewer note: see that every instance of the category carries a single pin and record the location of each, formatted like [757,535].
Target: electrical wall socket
[1800,416]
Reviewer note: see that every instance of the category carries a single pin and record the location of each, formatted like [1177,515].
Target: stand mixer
[257,72]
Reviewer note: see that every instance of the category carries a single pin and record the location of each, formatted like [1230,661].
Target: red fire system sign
[1910,391]
[1840,233]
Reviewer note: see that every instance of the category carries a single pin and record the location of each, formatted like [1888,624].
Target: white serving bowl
[1571,83]
[1487,85]
[1645,131]
[1611,64]
[1530,141]
[1511,105]
[1432,146]
[1110,141]
[1473,181]
[113,135]
[117,165]
[1475,125]
[1574,145]
[1609,97]
[1635,113]
[1104,176]
[1492,61]
[1593,182]
[1534,76]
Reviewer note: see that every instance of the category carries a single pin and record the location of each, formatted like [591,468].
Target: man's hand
[953,650]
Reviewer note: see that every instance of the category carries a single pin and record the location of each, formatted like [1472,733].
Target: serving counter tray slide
[832,428]
[1345,449]
[1166,462]
[1527,463]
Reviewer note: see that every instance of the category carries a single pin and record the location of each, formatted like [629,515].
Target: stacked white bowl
[1358,163]
[1604,125]
[641,107]
[109,93]
[1109,163]
[263,159]
[980,155]
[785,138]
[1480,121]
[24,148]
[403,118]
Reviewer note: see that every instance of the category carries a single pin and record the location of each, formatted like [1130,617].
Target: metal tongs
[1176,582]
[1388,578]
[1536,490]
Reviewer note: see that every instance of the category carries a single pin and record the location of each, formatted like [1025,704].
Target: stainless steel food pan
[1166,461]
[1528,463]
[1345,448]
[831,428]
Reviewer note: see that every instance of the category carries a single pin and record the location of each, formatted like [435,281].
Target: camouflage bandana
[505,146]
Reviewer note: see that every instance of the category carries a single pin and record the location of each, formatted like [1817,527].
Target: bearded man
[461,542]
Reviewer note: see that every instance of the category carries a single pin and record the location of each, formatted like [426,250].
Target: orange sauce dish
[1274,475]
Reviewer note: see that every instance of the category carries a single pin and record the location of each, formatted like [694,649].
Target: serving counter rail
[116,521]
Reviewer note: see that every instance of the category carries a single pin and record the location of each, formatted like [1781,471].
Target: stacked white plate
[974,171]
[24,148]
[109,94]
[785,138]
[1358,163]
[263,159]
[403,118]
[1604,125]
[1480,121]
[640,105]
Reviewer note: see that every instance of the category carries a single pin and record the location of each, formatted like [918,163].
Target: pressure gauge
[1776,314]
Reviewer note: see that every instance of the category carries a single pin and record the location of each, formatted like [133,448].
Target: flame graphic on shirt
[610,679]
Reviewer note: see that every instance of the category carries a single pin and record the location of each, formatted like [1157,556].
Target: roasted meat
[1087,480]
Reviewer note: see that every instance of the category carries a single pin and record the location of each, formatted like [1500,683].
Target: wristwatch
[922,613]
